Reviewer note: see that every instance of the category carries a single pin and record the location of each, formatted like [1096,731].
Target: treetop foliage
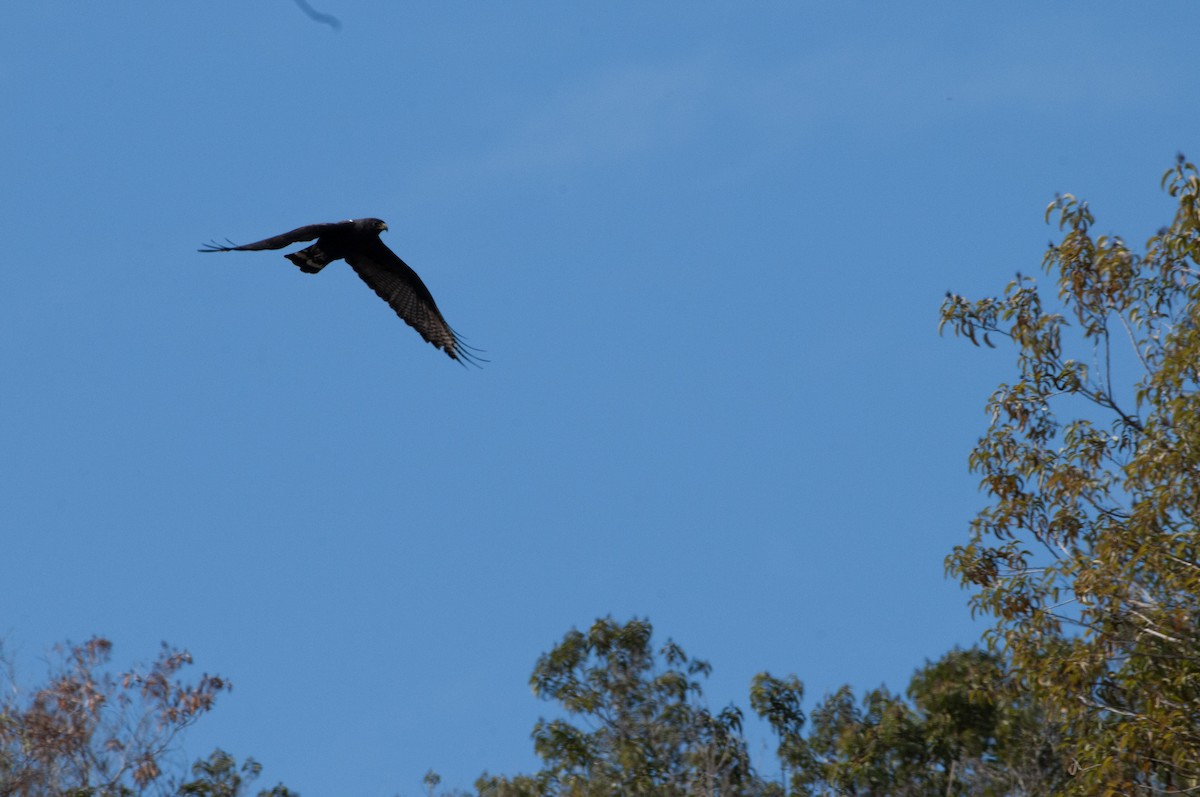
[637,724]
[90,732]
[1088,557]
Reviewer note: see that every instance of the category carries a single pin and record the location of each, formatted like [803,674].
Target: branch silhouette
[317,16]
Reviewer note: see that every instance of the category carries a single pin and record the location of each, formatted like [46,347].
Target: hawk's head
[371,225]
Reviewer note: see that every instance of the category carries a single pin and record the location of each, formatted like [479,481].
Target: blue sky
[704,246]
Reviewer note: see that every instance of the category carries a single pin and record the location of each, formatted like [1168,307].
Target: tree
[220,776]
[638,726]
[1088,556]
[644,729]
[962,731]
[984,732]
[92,733]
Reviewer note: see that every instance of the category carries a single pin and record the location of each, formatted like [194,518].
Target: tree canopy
[636,723]
[643,729]
[92,732]
[1087,557]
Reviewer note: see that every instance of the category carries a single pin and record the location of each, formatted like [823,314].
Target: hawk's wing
[399,286]
[306,233]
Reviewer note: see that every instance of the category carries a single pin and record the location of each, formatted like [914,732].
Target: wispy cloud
[769,109]
[612,116]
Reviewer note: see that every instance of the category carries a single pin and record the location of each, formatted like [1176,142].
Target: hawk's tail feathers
[311,259]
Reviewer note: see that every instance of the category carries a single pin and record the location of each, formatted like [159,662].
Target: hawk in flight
[357,242]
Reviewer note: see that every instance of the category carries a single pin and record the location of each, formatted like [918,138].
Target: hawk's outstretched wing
[306,233]
[399,286]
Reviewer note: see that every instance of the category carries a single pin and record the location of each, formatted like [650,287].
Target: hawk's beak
[384,227]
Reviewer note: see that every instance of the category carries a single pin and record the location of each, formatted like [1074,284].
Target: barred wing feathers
[399,286]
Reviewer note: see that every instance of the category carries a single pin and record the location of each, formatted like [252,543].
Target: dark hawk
[357,242]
